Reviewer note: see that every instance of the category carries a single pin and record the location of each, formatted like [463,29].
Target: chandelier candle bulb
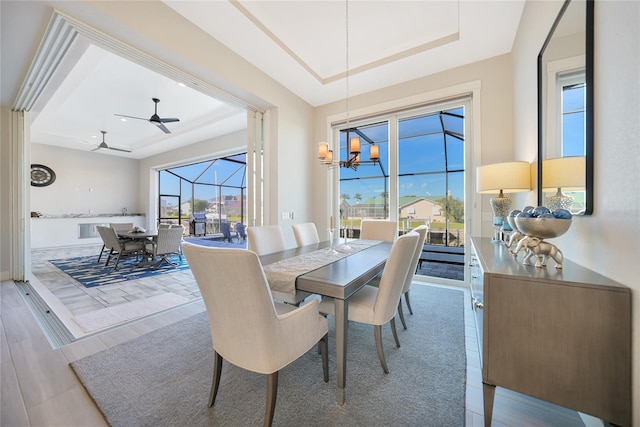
[355,144]
[323,150]
[374,154]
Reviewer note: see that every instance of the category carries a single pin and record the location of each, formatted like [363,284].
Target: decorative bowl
[512,222]
[542,228]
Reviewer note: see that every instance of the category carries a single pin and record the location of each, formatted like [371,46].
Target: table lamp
[509,177]
[562,173]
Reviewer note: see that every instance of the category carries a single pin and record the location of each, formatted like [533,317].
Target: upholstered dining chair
[268,239]
[373,229]
[119,248]
[305,233]
[422,232]
[377,305]
[248,329]
[168,242]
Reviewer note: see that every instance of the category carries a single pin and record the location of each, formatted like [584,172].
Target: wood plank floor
[38,387]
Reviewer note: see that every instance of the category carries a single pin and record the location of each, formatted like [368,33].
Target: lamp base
[559,201]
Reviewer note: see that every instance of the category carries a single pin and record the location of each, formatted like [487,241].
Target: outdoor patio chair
[225,228]
[248,329]
[168,242]
[240,231]
[118,247]
[118,226]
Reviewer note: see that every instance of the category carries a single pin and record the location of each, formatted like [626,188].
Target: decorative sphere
[540,210]
[561,214]
[528,209]
[542,228]
[547,215]
[525,214]
[514,212]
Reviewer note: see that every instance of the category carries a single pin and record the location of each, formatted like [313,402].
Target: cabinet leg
[488,393]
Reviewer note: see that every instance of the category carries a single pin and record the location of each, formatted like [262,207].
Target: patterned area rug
[89,273]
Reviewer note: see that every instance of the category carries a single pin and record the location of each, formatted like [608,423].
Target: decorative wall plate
[42,175]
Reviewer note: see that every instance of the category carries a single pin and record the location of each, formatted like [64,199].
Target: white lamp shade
[510,177]
[567,173]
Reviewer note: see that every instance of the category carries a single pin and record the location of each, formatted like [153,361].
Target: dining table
[339,280]
[145,237]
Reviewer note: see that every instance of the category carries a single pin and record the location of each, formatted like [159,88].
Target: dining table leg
[341,318]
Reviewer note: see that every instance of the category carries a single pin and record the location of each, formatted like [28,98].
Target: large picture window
[420,178]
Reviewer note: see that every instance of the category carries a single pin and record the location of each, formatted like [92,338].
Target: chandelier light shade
[562,173]
[510,177]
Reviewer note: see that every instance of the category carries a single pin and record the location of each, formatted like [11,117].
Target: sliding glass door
[419,180]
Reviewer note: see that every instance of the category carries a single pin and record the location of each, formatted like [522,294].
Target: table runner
[282,274]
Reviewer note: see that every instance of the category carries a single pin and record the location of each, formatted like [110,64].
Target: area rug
[99,319]
[163,378]
[89,272]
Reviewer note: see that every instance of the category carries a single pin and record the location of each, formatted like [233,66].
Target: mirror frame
[589,42]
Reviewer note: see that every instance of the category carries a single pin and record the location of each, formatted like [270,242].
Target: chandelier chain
[347,59]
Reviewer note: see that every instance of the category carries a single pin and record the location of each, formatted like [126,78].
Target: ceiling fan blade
[119,149]
[169,120]
[162,127]
[132,117]
[97,148]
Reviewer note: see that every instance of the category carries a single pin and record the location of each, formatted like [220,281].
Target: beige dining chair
[168,242]
[118,226]
[377,306]
[119,248]
[248,329]
[373,229]
[305,233]
[268,239]
[422,233]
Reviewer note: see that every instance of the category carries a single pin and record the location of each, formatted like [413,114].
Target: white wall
[495,119]
[86,182]
[607,241]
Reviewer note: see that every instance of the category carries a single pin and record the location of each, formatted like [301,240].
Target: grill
[198,224]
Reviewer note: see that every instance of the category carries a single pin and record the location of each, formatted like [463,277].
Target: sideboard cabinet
[563,336]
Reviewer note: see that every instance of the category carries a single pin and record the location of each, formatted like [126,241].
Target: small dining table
[144,237]
[338,280]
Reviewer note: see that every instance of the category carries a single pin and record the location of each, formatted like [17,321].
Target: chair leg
[100,256]
[395,333]
[272,395]
[401,313]
[323,348]
[215,383]
[377,329]
[406,298]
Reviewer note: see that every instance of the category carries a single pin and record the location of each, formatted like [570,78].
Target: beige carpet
[163,378]
[112,316]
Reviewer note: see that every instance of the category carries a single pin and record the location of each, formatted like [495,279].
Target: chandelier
[325,154]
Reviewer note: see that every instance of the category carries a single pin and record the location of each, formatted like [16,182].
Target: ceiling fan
[103,144]
[155,119]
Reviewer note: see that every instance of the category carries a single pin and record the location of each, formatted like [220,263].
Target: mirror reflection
[565,111]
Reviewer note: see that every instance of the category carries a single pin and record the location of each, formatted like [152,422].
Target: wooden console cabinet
[563,336]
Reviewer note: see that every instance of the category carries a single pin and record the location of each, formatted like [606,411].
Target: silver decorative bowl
[542,228]
[512,222]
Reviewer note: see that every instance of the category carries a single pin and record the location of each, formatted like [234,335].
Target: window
[426,186]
